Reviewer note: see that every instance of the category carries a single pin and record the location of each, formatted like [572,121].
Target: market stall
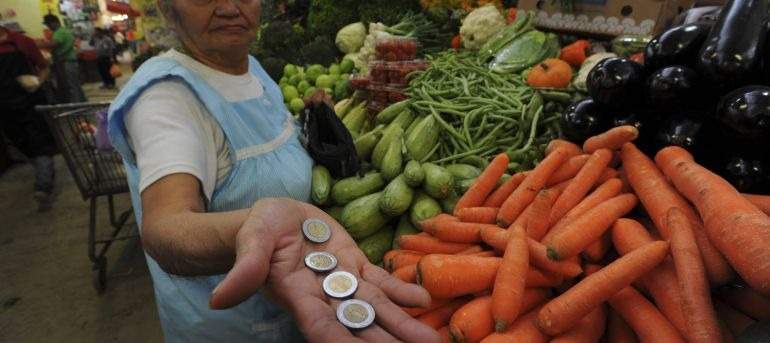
[545,178]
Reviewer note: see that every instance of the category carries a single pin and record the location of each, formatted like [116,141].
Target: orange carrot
[484,215]
[534,297]
[449,276]
[661,282]
[523,329]
[485,183]
[572,149]
[736,321]
[580,185]
[440,316]
[612,139]
[735,226]
[609,173]
[459,232]
[606,191]
[589,329]
[596,251]
[561,186]
[472,250]
[589,227]
[693,285]
[504,191]
[429,225]
[486,253]
[395,259]
[538,257]
[430,245]
[444,333]
[762,202]
[406,273]
[591,268]
[568,170]
[657,196]
[618,330]
[624,178]
[473,321]
[495,237]
[648,323]
[526,192]
[508,290]
[417,311]
[746,300]
[564,311]
[539,278]
[535,217]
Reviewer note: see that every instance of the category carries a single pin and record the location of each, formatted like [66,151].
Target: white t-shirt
[170,131]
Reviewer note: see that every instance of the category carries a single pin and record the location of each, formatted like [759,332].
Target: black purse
[328,141]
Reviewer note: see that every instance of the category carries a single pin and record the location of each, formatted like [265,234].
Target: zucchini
[342,107]
[423,207]
[354,120]
[392,162]
[362,217]
[404,119]
[404,227]
[376,245]
[411,127]
[462,186]
[413,173]
[366,143]
[391,112]
[448,203]
[422,139]
[382,146]
[463,171]
[476,161]
[438,181]
[351,188]
[335,212]
[320,184]
[396,197]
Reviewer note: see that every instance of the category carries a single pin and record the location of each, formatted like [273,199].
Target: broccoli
[273,66]
[280,39]
[388,12]
[320,51]
[326,17]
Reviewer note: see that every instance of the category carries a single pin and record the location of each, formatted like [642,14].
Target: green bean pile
[482,113]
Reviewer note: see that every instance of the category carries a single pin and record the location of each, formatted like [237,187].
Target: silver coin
[340,284]
[316,230]
[355,314]
[320,261]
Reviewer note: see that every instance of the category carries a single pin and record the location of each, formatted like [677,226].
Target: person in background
[22,72]
[104,56]
[65,63]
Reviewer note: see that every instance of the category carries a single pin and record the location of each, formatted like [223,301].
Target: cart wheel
[99,275]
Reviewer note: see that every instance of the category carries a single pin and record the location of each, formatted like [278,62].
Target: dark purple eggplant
[678,45]
[681,130]
[731,55]
[674,86]
[616,83]
[744,116]
[745,174]
[583,119]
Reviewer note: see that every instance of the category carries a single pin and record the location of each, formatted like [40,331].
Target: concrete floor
[46,292]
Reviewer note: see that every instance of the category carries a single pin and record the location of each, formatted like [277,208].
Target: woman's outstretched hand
[270,253]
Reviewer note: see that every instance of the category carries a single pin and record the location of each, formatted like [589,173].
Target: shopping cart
[96,172]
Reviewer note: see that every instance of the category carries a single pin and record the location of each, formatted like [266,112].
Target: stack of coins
[353,313]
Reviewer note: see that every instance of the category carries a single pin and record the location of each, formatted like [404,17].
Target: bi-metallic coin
[340,284]
[355,314]
[320,261]
[316,230]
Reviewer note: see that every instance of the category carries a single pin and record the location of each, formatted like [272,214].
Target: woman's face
[217,25]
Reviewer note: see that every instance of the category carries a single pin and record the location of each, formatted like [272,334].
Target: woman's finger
[392,318]
[318,321]
[404,294]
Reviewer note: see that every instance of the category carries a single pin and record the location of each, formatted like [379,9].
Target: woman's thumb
[248,275]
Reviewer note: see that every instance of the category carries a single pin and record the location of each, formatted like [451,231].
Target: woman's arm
[180,235]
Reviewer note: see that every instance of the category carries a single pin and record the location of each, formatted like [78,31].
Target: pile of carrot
[598,242]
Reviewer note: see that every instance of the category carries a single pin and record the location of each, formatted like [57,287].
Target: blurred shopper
[104,56]
[22,72]
[65,63]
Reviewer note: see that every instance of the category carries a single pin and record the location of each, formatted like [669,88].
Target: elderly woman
[219,181]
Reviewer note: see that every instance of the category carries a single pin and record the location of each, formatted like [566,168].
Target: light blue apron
[268,162]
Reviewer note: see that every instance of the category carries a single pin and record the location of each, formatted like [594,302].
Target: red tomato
[457,42]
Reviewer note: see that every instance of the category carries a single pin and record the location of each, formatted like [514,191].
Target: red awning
[122,8]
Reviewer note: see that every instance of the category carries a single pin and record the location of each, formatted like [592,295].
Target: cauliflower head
[480,25]
[351,37]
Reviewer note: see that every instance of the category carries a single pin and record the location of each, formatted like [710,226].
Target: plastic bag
[328,141]
[100,136]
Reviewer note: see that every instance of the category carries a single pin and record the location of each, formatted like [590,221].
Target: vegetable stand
[97,173]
